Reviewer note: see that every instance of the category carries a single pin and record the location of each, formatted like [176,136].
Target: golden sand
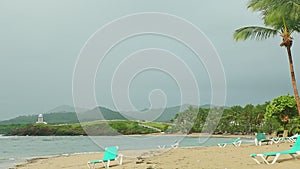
[214,157]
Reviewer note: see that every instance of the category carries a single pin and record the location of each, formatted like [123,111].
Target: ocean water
[16,149]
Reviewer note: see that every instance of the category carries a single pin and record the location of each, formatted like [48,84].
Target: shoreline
[159,134]
[182,157]
[31,160]
[199,134]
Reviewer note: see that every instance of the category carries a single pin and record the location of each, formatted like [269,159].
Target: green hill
[156,115]
[168,114]
[68,117]
[98,113]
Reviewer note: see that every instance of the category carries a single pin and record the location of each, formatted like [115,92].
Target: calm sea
[16,149]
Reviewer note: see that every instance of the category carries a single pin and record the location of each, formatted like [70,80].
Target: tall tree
[281,17]
[282,109]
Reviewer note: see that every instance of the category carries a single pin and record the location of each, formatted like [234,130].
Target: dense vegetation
[6,129]
[278,115]
[90,128]
[48,130]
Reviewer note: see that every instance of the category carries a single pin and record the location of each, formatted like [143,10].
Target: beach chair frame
[236,142]
[110,154]
[294,150]
[175,145]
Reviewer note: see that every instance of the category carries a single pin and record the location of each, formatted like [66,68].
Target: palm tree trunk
[293,78]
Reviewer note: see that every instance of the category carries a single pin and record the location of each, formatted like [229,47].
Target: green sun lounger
[236,142]
[294,150]
[110,154]
[261,137]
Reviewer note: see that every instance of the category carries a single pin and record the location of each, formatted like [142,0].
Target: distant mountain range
[156,115]
[60,115]
[66,114]
[66,108]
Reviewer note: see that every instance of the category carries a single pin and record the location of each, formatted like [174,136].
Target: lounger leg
[294,157]
[222,145]
[275,159]
[89,165]
[237,144]
[264,158]
[276,141]
[292,140]
[121,159]
[107,164]
[161,146]
[255,160]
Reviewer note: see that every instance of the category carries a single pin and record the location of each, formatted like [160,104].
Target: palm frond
[272,12]
[254,32]
[258,5]
[288,9]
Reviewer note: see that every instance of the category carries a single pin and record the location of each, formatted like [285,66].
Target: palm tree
[281,17]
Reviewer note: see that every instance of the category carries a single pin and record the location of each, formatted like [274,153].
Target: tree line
[277,115]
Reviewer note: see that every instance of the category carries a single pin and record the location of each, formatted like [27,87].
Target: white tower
[40,119]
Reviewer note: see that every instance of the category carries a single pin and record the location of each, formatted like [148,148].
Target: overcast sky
[40,42]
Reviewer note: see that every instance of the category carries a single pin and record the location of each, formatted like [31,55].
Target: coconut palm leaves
[254,32]
[272,12]
[281,17]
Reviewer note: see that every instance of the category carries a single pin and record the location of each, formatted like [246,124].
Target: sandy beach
[213,157]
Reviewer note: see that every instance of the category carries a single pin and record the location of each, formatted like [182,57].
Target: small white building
[40,119]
